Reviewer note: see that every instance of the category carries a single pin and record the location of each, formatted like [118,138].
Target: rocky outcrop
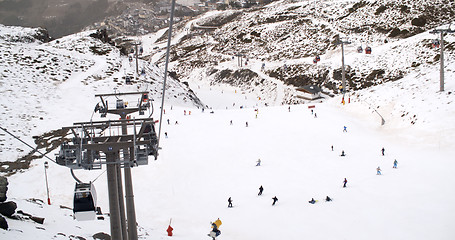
[3,188]
[7,209]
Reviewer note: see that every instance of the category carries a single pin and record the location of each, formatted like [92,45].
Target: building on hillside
[309,92]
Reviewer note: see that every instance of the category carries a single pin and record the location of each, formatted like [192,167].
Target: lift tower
[102,143]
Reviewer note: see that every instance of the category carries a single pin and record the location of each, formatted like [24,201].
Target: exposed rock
[102,236]
[3,188]
[3,223]
[39,220]
[8,208]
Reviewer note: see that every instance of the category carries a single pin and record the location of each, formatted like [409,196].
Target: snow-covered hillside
[394,103]
[287,35]
[38,78]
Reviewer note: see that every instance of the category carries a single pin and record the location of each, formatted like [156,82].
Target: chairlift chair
[368,50]
[84,202]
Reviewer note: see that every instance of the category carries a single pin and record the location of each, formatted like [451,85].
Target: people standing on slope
[395,163]
[382,151]
[258,162]
[260,190]
[345,129]
[229,202]
[344,182]
[275,199]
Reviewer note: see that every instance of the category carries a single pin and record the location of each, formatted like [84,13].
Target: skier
[332,148]
[382,151]
[378,171]
[344,182]
[215,231]
[168,121]
[246,124]
[260,190]
[275,199]
[342,153]
[327,199]
[165,134]
[258,162]
[312,201]
[229,202]
[289,108]
[345,129]
[395,164]
[230,122]
[315,116]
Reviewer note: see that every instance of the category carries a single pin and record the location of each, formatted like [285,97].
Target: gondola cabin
[435,43]
[360,49]
[368,50]
[84,202]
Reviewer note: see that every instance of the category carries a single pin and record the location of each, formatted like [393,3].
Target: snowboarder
[378,171]
[312,201]
[342,153]
[395,164]
[258,162]
[344,182]
[327,199]
[275,199]
[382,151]
[260,190]
[229,202]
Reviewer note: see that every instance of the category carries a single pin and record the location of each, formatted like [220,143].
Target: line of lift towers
[109,143]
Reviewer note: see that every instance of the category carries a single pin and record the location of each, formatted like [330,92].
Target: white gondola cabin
[84,202]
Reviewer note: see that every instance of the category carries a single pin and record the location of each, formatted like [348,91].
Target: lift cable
[171,21]
[28,145]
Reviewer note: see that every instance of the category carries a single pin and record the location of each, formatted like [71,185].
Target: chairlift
[368,50]
[360,49]
[435,43]
[84,202]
